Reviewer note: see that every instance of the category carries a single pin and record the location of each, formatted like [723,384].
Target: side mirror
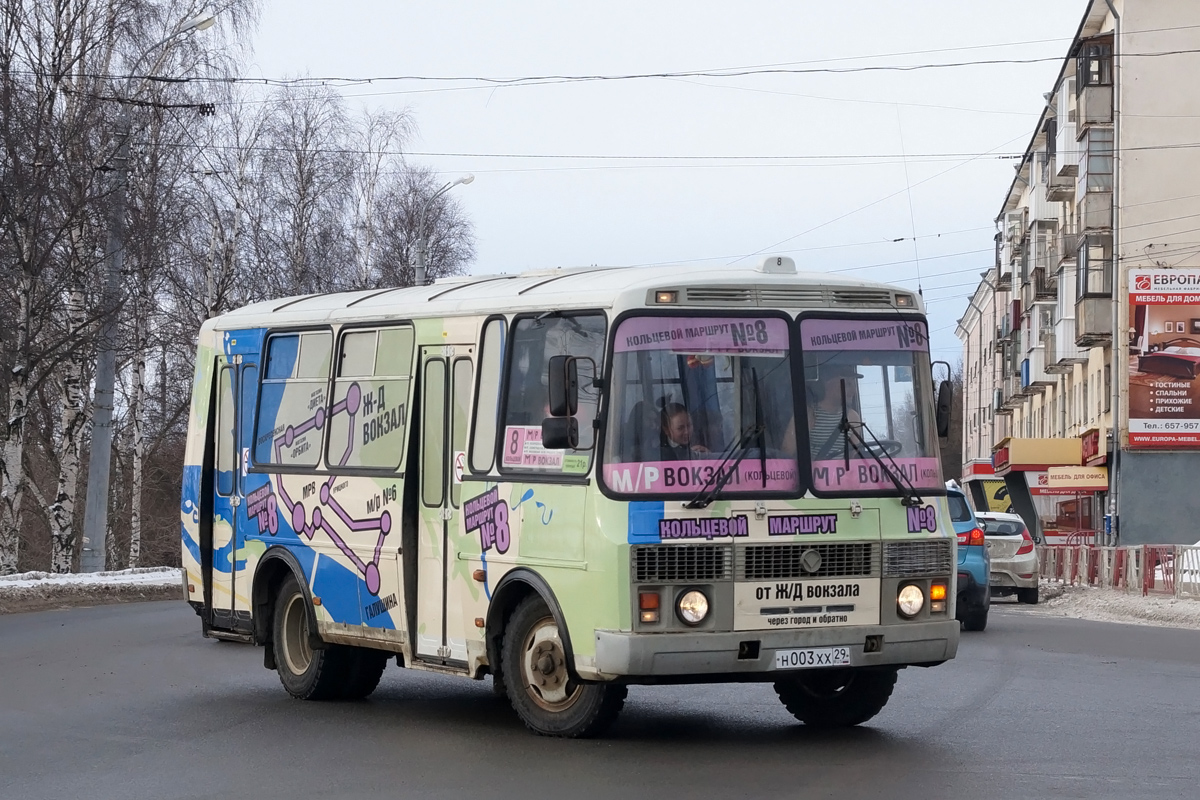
[563,383]
[945,403]
[560,433]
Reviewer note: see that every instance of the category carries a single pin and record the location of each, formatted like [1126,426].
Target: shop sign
[1163,411]
[1081,479]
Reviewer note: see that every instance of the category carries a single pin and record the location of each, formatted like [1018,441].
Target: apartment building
[1081,347]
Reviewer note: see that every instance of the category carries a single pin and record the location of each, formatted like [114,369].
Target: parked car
[974,569]
[1014,560]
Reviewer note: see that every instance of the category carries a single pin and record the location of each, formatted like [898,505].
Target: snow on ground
[38,591]
[1109,605]
[142,576]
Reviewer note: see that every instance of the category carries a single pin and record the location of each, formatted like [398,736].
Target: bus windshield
[866,384]
[700,402]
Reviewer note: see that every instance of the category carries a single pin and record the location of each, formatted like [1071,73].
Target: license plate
[812,658]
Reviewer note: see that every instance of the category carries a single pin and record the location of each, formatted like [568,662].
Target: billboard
[1164,359]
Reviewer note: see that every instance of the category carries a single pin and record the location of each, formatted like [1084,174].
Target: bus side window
[225,432]
[487,406]
[291,406]
[368,414]
[534,341]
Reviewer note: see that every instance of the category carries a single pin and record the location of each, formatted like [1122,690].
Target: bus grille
[681,563]
[771,561]
[914,559]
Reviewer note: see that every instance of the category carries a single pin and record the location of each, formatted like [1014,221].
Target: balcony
[1061,350]
[1095,211]
[1012,397]
[1041,209]
[1093,321]
[1067,245]
[1044,285]
[1095,106]
[1034,378]
[1061,188]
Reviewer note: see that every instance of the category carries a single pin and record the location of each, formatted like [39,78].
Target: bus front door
[446,388]
[228,599]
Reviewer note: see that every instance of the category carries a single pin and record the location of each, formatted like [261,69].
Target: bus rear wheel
[836,698]
[540,686]
[306,673]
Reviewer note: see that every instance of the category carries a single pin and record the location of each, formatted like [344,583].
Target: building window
[1094,270]
[1094,66]
[1108,387]
[1096,160]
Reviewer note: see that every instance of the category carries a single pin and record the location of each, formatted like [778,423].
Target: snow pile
[140,576]
[1108,605]
[35,591]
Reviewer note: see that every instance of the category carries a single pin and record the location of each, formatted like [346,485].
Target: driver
[677,444]
[825,408]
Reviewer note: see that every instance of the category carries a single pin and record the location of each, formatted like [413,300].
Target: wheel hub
[545,668]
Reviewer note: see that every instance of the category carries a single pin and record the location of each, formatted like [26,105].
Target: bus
[575,480]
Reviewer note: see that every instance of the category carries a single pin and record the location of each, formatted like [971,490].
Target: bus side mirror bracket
[945,404]
[563,384]
[560,433]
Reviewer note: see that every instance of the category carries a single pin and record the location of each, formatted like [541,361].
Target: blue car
[974,566]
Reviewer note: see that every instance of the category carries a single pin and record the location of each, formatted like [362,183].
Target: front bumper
[620,654]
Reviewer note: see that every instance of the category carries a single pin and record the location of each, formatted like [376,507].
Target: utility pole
[95,512]
[422,241]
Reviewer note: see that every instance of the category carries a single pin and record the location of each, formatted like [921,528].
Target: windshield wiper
[908,492]
[717,480]
[762,429]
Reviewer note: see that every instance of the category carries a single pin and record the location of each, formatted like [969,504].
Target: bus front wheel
[836,698]
[540,687]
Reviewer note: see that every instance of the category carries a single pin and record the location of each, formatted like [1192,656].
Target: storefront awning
[1034,455]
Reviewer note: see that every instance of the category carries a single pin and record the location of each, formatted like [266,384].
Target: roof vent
[779,265]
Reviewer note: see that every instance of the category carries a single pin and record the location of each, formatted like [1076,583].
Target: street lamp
[95,512]
[422,244]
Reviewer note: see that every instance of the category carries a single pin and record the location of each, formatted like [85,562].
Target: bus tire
[836,698]
[540,687]
[307,674]
[364,671]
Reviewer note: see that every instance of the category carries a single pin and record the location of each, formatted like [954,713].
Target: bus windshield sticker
[687,477]
[523,448]
[704,335]
[861,334]
[832,475]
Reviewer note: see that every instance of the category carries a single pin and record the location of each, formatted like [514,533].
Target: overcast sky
[750,188]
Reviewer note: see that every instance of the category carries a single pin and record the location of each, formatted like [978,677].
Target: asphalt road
[130,702]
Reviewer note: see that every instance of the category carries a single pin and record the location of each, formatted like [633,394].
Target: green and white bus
[577,480]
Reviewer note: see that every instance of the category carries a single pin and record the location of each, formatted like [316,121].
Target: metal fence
[1169,570]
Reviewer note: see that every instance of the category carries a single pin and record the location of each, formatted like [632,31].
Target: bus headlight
[692,607]
[910,601]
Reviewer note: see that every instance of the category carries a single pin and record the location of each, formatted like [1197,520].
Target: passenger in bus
[677,444]
[825,411]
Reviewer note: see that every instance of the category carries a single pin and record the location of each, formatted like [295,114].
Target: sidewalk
[1112,605]
[39,591]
